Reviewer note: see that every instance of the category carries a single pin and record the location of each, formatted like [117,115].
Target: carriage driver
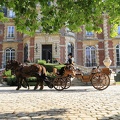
[70,59]
[69,62]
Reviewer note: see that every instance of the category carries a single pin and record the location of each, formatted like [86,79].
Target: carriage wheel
[68,82]
[59,84]
[100,81]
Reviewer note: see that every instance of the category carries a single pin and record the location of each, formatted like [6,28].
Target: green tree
[51,15]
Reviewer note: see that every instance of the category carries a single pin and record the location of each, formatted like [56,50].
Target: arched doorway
[71,48]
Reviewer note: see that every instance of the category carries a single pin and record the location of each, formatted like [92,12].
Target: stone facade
[59,45]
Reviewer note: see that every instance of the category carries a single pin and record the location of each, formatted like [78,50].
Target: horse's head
[12,65]
[8,65]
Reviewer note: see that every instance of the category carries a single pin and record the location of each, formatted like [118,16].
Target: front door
[47,53]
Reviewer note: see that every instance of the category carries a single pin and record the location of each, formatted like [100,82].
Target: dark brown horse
[22,72]
[13,66]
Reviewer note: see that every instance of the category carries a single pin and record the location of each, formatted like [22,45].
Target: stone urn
[107,62]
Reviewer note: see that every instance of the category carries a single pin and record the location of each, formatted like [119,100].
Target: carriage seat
[94,70]
[78,71]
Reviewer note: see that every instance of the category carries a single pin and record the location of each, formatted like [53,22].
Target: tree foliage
[51,15]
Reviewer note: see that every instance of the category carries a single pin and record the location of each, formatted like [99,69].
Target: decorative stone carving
[107,62]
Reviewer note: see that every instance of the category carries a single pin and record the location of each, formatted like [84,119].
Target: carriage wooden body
[99,78]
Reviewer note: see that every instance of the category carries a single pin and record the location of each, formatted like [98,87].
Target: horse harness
[31,71]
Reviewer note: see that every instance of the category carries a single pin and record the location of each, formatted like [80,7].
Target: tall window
[71,48]
[25,52]
[5,11]
[119,30]
[118,55]
[89,33]
[90,56]
[10,54]
[11,31]
[11,13]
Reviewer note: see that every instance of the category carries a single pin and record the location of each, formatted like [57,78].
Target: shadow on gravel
[51,114]
[46,114]
[113,117]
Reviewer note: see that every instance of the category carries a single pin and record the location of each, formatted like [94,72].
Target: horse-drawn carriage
[99,78]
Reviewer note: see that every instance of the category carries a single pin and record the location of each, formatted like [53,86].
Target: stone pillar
[105,29]
[97,55]
[107,61]
[84,56]
[106,48]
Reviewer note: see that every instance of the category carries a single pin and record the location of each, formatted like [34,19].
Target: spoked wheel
[100,81]
[59,84]
[68,82]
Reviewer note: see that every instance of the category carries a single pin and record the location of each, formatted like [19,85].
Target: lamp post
[36,48]
[56,48]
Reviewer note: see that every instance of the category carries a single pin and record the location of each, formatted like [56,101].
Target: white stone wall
[43,39]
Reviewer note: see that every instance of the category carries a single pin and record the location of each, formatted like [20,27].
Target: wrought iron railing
[117,63]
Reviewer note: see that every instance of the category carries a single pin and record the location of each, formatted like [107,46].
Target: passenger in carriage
[95,69]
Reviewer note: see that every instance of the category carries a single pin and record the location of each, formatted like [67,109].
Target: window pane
[118,30]
[89,33]
[117,46]
[11,31]
[70,48]
[10,54]
[90,56]
[11,13]
[118,55]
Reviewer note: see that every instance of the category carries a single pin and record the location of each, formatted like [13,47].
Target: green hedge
[59,66]
[7,73]
[31,79]
[117,77]
[49,66]
[11,81]
[41,62]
